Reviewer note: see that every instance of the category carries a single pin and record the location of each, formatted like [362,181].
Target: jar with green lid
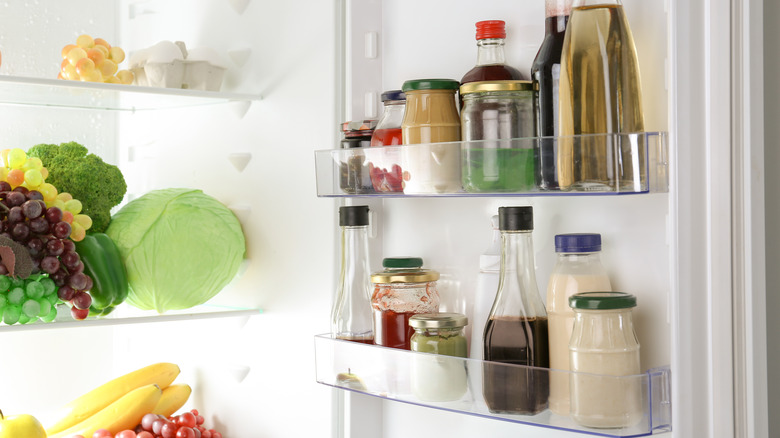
[495,115]
[434,377]
[606,385]
[403,289]
[431,117]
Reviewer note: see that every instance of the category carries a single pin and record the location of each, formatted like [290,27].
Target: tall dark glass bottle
[545,73]
[516,331]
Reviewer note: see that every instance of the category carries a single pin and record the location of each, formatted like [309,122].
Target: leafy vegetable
[180,248]
[98,185]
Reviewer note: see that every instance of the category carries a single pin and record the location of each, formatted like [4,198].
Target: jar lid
[438,320]
[411,276]
[485,86]
[393,95]
[583,242]
[402,262]
[602,300]
[516,218]
[358,125]
[491,29]
[430,84]
[353,216]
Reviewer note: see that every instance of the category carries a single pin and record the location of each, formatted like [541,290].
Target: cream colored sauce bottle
[578,269]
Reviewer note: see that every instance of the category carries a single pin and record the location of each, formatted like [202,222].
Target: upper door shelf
[598,164]
[15,90]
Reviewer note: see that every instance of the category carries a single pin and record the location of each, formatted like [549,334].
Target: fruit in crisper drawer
[20,426]
[93,60]
[349,380]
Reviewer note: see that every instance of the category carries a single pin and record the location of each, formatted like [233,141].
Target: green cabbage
[180,248]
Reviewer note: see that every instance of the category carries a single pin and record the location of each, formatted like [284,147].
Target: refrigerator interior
[251,375]
[437,40]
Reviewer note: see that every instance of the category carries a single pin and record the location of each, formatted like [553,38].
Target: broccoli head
[98,185]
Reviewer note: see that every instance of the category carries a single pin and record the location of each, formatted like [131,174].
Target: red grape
[15,214]
[35,195]
[32,209]
[205,434]
[101,433]
[50,264]
[15,198]
[61,230]
[168,430]
[126,434]
[39,225]
[22,189]
[54,247]
[79,313]
[4,186]
[197,432]
[89,282]
[215,434]
[145,434]
[185,432]
[186,420]
[66,293]
[20,231]
[147,420]
[78,281]
[157,426]
[70,259]
[69,245]
[82,300]
[53,215]
[198,418]
[59,277]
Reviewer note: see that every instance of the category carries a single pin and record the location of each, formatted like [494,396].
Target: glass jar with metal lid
[403,289]
[495,115]
[606,385]
[436,378]
[431,117]
[354,175]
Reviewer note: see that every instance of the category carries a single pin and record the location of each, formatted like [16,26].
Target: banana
[173,398]
[80,409]
[125,413]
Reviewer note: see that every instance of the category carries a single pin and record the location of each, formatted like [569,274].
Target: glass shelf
[15,90]
[411,377]
[126,314]
[629,163]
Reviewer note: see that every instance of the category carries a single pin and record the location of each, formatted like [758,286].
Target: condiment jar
[385,167]
[436,378]
[431,117]
[578,269]
[606,387]
[497,112]
[354,176]
[401,291]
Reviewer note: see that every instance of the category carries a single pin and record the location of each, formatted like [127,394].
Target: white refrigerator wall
[436,39]
[250,377]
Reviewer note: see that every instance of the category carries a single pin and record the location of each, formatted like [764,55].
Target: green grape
[3,301]
[5,283]
[34,290]
[23,319]
[48,286]
[45,307]
[51,315]
[11,314]
[16,296]
[17,282]
[31,308]
[53,298]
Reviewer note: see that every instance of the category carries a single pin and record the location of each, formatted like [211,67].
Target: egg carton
[180,73]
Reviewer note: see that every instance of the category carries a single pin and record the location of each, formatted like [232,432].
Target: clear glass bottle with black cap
[351,316]
[516,331]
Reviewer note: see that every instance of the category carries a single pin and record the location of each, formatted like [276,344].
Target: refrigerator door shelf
[406,376]
[627,163]
[15,90]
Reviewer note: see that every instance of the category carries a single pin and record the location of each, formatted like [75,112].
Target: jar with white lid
[606,388]
[436,377]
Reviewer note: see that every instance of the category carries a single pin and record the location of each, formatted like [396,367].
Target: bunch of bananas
[121,403]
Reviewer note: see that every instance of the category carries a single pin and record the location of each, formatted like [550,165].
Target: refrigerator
[694,249]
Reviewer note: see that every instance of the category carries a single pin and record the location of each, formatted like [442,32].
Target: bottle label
[556,76]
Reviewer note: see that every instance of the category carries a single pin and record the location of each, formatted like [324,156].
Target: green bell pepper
[103,264]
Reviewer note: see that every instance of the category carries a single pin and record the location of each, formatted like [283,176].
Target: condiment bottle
[491,61]
[385,169]
[578,269]
[606,387]
[403,289]
[354,176]
[496,112]
[351,316]
[546,73]
[431,116]
[435,378]
[600,93]
[516,331]
[485,292]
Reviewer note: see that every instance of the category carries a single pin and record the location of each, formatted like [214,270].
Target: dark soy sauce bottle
[491,61]
[516,331]
[545,73]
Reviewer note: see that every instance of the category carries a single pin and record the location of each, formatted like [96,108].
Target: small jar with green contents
[436,377]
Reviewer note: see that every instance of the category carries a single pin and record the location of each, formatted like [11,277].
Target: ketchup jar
[385,167]
[403,289]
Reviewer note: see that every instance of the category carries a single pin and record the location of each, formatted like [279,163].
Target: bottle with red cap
[491,62]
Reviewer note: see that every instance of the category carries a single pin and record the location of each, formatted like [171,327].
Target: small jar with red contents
[385,167]
[403,289]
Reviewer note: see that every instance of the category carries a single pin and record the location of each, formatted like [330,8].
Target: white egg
[164,51]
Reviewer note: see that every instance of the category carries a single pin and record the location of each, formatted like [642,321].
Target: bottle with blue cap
[578,269]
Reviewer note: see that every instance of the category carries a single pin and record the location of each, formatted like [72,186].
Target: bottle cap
[358,126]
[584,242]
[353,216]
[602,300]
[438,320]
[430,84]
[393,95]
[516,218]
[402,262]
[491,29]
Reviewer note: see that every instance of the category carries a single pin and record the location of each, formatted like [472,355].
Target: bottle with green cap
[606,391]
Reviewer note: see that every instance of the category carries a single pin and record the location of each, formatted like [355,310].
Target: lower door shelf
[613,406]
